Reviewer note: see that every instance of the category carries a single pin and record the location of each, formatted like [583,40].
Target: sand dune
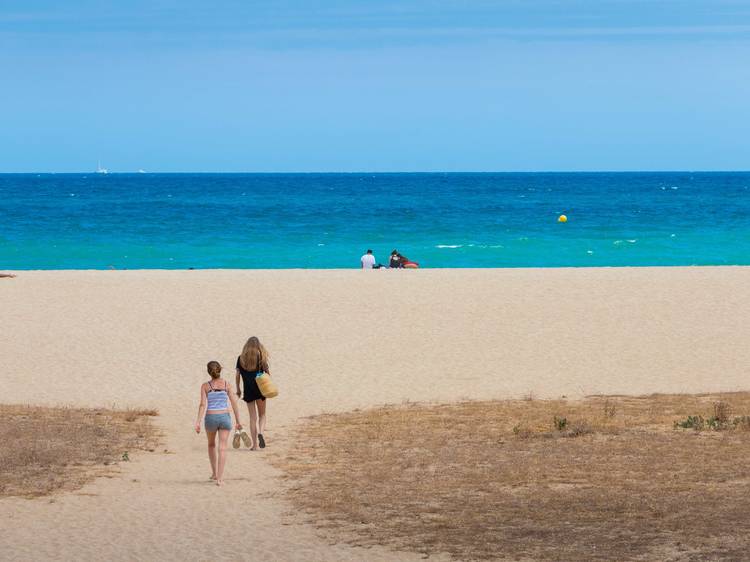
[338,340]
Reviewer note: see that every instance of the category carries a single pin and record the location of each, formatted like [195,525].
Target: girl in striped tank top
[216,396]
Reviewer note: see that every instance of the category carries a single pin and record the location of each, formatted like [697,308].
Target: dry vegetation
[607,478]
[48,449]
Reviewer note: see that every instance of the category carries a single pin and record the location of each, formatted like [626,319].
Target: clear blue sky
[382,85]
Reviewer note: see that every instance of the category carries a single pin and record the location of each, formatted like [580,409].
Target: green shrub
[718,422]
[692,422]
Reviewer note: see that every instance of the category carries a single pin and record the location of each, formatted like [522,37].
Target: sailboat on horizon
[99,169]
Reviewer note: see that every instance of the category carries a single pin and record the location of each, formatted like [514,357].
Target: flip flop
[261,441]
[246,438]
[236,440]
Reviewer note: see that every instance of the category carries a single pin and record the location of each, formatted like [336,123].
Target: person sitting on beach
[253,360]
[396,260]
[400,261]
[216,395]
[7,275]
[368,260]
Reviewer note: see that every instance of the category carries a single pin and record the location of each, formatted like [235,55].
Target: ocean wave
[451,246]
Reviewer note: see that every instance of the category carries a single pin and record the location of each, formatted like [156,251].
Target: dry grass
[50,449]
[498,480]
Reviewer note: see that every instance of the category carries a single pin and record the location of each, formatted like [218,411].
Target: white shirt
[368,261]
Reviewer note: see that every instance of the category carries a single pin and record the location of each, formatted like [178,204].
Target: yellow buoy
[562,218]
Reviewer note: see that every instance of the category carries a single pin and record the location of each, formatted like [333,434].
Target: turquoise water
[170,221]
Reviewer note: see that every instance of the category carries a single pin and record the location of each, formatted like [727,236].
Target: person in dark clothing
[397,260]
[253,360]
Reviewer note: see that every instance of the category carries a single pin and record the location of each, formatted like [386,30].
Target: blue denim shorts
[214,422]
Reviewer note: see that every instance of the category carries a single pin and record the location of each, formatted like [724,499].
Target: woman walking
[216,395]
[253,360]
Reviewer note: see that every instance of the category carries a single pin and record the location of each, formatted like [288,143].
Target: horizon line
[385,172]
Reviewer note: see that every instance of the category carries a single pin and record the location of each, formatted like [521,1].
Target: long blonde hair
[254,356]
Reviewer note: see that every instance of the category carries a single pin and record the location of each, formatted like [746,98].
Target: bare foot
[212,477]
[219,482]
[255,449]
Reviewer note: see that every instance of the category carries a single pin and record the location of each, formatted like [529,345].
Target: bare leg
[211,435]
[261,415]
[253,424]
[223,438]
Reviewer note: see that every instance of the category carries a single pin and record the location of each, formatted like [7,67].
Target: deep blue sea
[175,221]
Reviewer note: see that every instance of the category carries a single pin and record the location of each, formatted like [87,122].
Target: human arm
[237,381]
[235,409]
[201,409]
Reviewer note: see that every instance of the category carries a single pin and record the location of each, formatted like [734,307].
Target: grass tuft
[610,408]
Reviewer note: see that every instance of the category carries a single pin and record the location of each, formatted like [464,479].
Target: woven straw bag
[266,385]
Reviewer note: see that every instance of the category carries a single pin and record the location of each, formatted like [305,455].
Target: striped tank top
[218,399]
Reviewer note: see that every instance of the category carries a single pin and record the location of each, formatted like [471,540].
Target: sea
[440,220]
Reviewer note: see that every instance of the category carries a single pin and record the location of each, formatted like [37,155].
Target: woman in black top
[396,260]
[253,360]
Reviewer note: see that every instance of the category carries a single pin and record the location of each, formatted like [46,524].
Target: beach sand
[338,340]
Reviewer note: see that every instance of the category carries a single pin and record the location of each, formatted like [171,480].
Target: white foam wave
[452,246]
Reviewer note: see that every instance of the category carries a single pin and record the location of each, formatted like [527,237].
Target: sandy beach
[338,340]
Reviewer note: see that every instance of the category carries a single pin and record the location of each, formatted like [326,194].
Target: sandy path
[339,340]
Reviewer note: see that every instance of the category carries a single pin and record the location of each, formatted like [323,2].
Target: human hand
[197,428]
[238,426]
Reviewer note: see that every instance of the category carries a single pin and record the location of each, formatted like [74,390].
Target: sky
[355,85]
